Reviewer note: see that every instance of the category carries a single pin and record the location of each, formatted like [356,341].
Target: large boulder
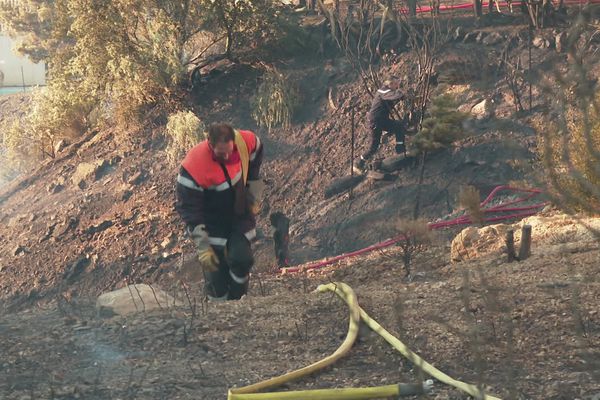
[89,172]
[493,39]
[474,242]
[483,109]
[133,299]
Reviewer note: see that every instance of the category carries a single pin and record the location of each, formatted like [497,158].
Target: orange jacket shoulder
[200,165]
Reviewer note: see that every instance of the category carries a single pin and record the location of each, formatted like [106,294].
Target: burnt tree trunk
[478,8]
[525,249]
[412,8]
[510,246]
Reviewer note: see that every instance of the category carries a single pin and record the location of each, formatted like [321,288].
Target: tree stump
[510,245]
[525,249]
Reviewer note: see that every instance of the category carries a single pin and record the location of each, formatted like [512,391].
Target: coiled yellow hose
[346,293]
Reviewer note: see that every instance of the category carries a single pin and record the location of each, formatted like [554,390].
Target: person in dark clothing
[281,237]
[379,121]
[218,197]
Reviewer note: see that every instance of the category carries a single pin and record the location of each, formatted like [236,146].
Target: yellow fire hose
[346,293]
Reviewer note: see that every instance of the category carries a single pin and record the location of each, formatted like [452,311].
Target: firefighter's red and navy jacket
[205,195]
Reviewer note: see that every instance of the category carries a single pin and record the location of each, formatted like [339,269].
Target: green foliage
[113,61]
[442,127]
[415,236]
[469,199]
[293,39]
[184,130]
[128,55]
[276,101]
[120,56]
[570,140]
[13,150]
[54,114]
[41,26]
[243,22]
[571,157]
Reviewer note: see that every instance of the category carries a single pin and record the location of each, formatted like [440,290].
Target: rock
[61,145]
[68,224]
[54,188]
[169,241]
[482,110]
[48,233]
[465,108]
[473,242]
[136,178]
[99,227]
[470,37]
[115,160]
[541,43]
[126,195]
[133,299]
[86,172]
[562,229]
[75,269]
[480,36]
[492,39]
[560,41]
[19,250]
[376,175]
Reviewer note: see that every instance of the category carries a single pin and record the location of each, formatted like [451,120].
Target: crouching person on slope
[218,197]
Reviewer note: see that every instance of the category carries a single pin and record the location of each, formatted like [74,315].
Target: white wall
[11,63]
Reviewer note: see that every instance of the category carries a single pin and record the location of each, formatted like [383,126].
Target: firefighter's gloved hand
[206,254]
[255,193]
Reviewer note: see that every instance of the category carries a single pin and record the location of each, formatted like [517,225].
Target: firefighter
[379,121]
[218,198]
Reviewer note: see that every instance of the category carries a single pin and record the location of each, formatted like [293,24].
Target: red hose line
[504,206]
[510,188]
[462,220]
[512,209]
[504,4]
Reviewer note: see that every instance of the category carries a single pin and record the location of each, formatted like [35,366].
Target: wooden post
[351,194]
[525,249]
[529,44]
[23,78]
[478,8]
[412,8]
[419,186]
[352,143]
[510,245]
